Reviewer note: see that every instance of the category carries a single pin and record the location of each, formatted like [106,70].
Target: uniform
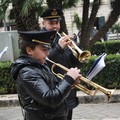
[40,94]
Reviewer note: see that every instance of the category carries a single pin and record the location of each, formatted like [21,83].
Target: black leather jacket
[39,91]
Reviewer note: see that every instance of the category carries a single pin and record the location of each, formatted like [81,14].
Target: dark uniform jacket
[67,59]
[40,93]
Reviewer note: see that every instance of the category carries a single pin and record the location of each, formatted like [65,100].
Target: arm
[58,48]
[33,82]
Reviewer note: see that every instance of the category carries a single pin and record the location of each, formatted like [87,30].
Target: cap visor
[46,46]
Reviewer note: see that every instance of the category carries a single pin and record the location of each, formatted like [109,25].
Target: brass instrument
[77,52]
[85,80]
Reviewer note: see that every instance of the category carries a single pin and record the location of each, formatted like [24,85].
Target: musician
[59,52]
[41,96]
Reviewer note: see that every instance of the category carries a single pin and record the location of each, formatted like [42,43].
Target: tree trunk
[84,22]
[91,21]
[25,23]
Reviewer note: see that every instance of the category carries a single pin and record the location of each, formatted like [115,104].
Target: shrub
[109,47]
[109,76]
[6,84]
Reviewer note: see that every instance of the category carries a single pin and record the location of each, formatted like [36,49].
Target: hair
[24,44]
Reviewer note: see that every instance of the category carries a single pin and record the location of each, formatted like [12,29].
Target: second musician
[59,51]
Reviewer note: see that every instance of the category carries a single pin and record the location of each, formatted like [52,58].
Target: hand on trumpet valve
[64,41]
[74,73]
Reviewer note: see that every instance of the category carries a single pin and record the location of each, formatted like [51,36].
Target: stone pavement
[105,110]
[12,100]
[99,97]
[101,111]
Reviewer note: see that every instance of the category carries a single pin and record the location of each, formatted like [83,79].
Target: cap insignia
[54,12]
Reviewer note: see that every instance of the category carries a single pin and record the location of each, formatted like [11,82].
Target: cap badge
[54,12]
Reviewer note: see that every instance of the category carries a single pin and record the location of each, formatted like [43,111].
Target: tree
[3,7]
[25,16]
[88,22]
[113,17]
[77,21]
[24,13]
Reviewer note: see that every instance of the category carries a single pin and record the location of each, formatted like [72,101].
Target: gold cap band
[40,42]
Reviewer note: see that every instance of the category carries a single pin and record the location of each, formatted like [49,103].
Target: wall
[10,39]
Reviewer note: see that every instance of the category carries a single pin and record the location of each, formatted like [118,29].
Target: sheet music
[3,51]
[97,66]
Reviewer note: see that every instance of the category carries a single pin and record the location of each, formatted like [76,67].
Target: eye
[51,23]
[44,49]
[57,22]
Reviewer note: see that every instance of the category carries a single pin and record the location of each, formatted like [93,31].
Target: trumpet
[97,87]
[77,52]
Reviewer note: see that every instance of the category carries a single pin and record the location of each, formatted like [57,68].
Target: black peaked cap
[52,14]
[42,37]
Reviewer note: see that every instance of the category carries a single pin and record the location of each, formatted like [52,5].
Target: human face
[51,25]
[39,53]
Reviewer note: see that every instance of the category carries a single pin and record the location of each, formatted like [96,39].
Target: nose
[55,26]
[46,52]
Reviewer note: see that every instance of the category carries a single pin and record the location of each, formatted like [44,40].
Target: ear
[43,23]
[29,51]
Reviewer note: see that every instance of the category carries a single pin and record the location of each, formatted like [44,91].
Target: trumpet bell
[85,55]
[77,52]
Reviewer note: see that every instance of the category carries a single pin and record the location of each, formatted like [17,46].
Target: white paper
[3,51]
[97,66]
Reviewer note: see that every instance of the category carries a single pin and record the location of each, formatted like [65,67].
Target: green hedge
[108,77]
[6,84]
[109,47]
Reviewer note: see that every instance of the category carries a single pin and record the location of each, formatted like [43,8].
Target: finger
[68,42]
[76,68]
[79,70]
[78,79]
[67,37]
